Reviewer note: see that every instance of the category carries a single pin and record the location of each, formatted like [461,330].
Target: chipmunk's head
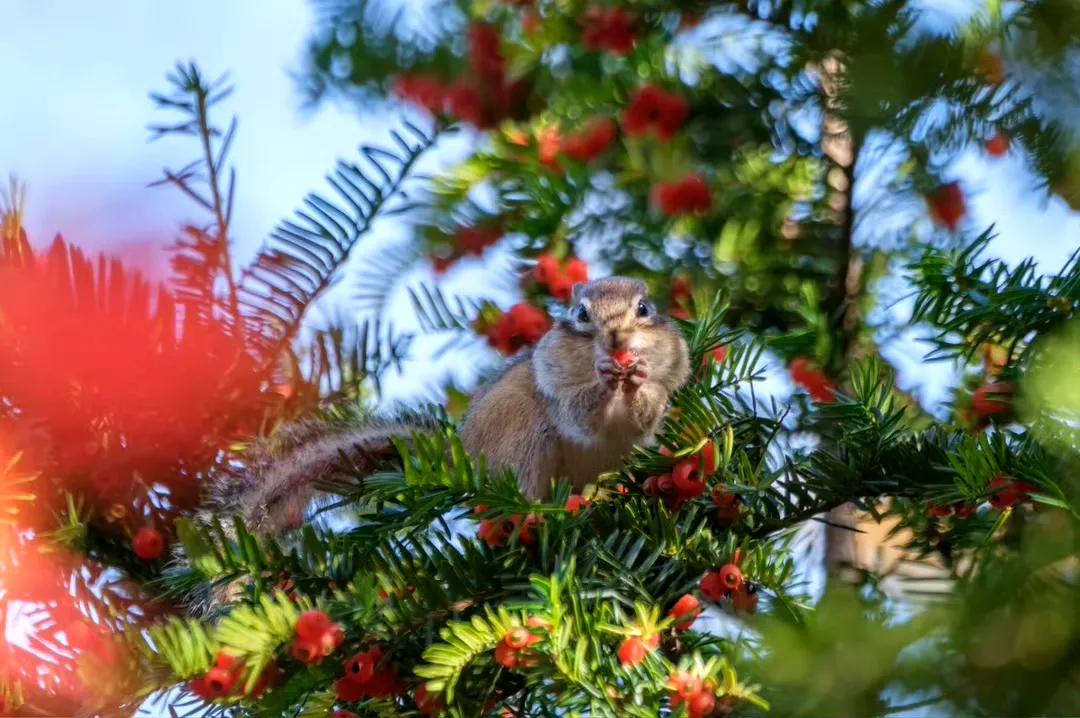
[614,320]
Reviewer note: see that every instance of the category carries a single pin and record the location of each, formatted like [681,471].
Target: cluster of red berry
[728,583]
[686,480]
[496,532]
[366,676]
[690,195]
[522,325]
[806,374]
[560,278]
[584,146]
[222,679]
[467,241]
[316,638]
[591,142]
[481,98]
[515,649]
[576,504]
[1005,492]
[654,110]
[698,696]
[608,29]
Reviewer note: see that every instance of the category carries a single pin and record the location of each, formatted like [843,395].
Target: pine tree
[765,168]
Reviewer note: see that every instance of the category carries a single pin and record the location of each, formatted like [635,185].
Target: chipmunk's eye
[582,314]
[643,309]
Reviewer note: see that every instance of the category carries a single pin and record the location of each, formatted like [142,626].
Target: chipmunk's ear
[577,292]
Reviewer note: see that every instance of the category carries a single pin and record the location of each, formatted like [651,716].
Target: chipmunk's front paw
[610,372]
[637,374]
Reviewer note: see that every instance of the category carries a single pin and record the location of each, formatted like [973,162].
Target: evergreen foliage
[764,168]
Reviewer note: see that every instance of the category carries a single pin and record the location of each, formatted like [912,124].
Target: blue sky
[76,110]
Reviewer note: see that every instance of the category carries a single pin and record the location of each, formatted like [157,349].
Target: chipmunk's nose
[619,339]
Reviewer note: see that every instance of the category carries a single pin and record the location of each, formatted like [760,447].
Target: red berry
[653,109]
[684,685]
[220,681]
[712,586]
[148,544]
[706,459]
[992,399]
[575,504]
[633,651]
[317,637]
[609,29]
[442,264]
[728,509]
[384,684]
[422,90]
[537,622]
[938,511]
[688,481]
[998,145]
[696,194]
[350,691]
[665,196]
[624,358]
[592,142]
[546,269]
[963,510]
[495,532]
[685,612]
[561,287]
[466,103]
[1007,492]
[665,485]
[577,271]
[474,240]
[816,384]
[518,637]
[526,532]
[731,577]
[687,196]
[198,687]
[523,325]
[947,205]
[513,650]
[312,625]
[427,703]
[361,667]
[701,704]
[549,144]
[485,52]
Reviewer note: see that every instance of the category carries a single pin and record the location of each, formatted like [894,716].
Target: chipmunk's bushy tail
[274,489]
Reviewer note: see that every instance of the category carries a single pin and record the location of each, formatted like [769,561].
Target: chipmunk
[595,385]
